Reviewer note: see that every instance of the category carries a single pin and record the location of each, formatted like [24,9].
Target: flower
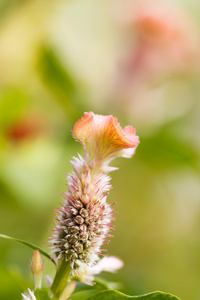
[37,269]
[103,139]
[107,263]
[30,297]
[85,218]
[164,42]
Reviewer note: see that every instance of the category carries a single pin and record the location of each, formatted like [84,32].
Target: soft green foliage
[30,245]
[42,294]
[83,291]
[115,295]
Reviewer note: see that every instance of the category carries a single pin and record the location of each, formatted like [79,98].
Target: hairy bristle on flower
[85,218]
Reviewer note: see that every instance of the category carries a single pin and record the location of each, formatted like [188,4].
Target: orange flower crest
[103,138]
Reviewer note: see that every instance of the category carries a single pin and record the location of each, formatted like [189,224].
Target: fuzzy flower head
[85,218]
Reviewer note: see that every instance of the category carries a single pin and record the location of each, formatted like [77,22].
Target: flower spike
[85,218]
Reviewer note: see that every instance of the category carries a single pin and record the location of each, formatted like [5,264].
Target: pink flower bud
[37,269]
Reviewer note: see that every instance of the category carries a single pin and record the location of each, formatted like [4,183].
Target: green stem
[61,278]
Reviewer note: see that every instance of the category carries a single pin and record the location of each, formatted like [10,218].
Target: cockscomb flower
[85,218]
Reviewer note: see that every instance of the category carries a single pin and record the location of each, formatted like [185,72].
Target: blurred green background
[61,58]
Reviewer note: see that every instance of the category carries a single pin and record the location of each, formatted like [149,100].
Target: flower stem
[61,278]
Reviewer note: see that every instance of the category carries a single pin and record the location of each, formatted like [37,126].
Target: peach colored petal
[102,137]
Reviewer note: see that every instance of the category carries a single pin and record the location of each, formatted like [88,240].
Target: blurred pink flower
[30,126]
[107,264]
[164,41]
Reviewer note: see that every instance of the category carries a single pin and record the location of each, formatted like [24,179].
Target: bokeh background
[136,60]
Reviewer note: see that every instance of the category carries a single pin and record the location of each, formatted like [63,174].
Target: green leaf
[98,286]
[83,295]
[84,291]
[42,294]
[32,246]
[115,295]
[101,284]
[61,83]
[164,150]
